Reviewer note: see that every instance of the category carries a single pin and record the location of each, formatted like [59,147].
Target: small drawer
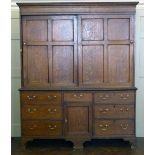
[104,111]
[125,97]
[104,127]
[42,128]
[78,97]
[124,127]
[124,111]
[114,111]
[41,112]
[116,97]
[105,97]
[114,127]
[29,97]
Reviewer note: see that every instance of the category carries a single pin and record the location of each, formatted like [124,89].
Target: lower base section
[78,142]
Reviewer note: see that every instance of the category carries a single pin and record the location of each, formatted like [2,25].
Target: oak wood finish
[77,71]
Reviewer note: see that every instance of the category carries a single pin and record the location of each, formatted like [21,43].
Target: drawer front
[124,127]
[41,112]
[53,98]
[125,97]
[121,97]
[124,111]
[104,111]
[42,128]
[114,111]
[104,97]
[104,127]
[114,127]
[78,97]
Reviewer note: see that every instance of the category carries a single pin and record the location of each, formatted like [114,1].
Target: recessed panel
[78,120]
[36,30]
[92,64]
[37,65]
[62,30]
[92,29]
[63,65]
[118,29]
[118,63]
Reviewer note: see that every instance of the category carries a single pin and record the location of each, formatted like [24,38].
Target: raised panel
[63,65]
[36,30]
[118,63]
[118,29]
[92,64]
[77,120]
[92,29]
[63,30]
[37,65]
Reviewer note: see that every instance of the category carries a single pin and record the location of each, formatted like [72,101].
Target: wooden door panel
[92,67]
[63,65]
[63,30]
[118,63]
[36,30]
[118,29]
[36,70]
[92,29]
[78,120]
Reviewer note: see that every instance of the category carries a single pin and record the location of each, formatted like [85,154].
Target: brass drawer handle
[33,127]
[124,97]
[122,110]
[52,97]
[104,110]
[124,127]
[104,97]
[52,127]
[31,97]
[52,110]
[31,110]
[78,96]
[104,127]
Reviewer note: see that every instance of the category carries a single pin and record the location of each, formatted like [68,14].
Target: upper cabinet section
[77,45]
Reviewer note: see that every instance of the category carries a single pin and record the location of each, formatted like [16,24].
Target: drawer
[114,127]
[119,97]
[78,97]
[104,127]
[104,111]
[42,128]
[41,112]
[40,97]
[104,97]
[114,111]
[125,97]
[124,127]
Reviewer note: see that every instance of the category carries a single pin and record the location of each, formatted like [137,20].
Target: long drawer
[117,97]
[114,111]
[41,97]
[42,128]
[114,127]
[41,112]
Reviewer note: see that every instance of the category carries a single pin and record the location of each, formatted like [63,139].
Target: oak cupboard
[77,64]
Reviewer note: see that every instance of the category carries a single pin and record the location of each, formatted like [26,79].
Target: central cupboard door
[78,119]
[49,51]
